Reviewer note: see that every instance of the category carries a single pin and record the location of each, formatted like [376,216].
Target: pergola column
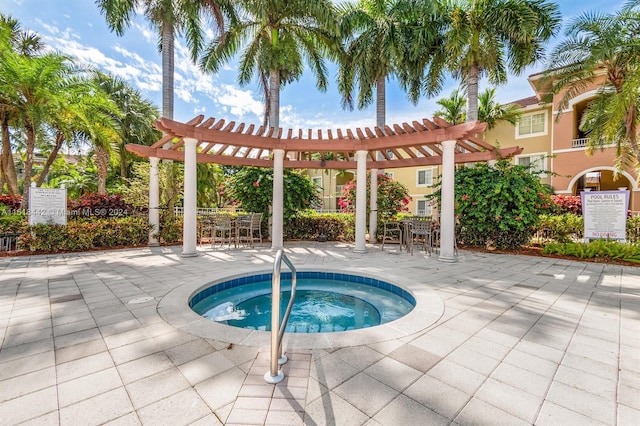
[189,220]
[373,206]
[361,202]
[447,204]
[278,200]
[154,201]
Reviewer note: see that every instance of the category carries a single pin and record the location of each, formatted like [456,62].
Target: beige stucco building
[553,141]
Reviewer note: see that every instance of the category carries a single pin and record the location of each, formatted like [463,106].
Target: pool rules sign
[47,205]
[605,214]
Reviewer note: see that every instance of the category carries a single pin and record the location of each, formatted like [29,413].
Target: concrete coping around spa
[174,309]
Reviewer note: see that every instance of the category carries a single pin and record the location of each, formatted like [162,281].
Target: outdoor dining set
[412,231]
[241,229]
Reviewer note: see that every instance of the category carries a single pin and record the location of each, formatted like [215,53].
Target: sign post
[48,206]
[605,214]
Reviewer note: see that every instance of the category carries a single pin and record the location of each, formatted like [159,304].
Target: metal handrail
[275,375]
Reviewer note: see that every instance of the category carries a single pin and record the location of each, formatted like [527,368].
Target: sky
[76,28]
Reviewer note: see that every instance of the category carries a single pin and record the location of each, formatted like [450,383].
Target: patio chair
[392,233]
[420,232]
[243,230]
[205,231]
[256,228]
[223,230]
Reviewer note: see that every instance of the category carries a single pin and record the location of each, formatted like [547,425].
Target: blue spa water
[322,304]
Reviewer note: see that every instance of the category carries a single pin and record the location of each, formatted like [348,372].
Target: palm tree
[135,120]
[79,122]
[13,41]
[453,108]
[491,112]
[490,38]
[171,17]
[34,90]
[275,36]
[608,44]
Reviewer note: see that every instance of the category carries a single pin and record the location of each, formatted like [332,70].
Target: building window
[423,208]
[536,162]
[424,177]
[532,125]
[317,181]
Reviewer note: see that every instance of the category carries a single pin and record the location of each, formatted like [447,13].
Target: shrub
[309,224]
[97,205]
[568,204]
[252,187]
[603,249]
[12,223]
[85,234]
[498,205]
[11,201]
[170,229]
[560,228]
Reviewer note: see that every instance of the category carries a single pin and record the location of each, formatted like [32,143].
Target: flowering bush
[11,201]
[499,205]
[568,204]
[252,188]
[99,205]
[393,197]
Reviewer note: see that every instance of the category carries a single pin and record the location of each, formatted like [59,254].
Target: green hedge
[602,249]
[567,227]
[85,234]
[308,225]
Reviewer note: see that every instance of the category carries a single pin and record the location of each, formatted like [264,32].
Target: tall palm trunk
[102,164]
[7,166]
[274,99]
[381,117]
[472,93]
[52,156]
[123,163]
[28,163]
[167,70]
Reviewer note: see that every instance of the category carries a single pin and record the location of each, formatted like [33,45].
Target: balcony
[580,143]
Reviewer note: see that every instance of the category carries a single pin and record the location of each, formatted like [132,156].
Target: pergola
[421,143]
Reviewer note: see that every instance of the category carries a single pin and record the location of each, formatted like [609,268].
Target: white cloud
[240,102]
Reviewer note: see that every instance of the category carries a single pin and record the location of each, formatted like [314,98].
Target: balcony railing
[579,143]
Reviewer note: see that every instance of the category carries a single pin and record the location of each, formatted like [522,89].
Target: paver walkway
[522,340]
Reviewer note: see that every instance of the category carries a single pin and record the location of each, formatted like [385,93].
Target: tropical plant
[134,120]
[376,34]
[170,17]
[452,108]
[136,189]
[489,38]
[210,185]
[498,205]
[252,188]
[14,41]
[489,111]
[275,37]
[603,49]
[36,89]
[393,197]
[492,112]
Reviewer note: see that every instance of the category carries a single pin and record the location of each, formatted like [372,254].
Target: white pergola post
[361,202]
[189,220]
[373,206]
[447,206]
[277,217]
[154,201]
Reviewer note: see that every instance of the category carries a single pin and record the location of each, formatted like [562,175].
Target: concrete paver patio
[520,340]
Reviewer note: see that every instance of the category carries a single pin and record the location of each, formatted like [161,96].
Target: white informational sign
[605,214]
[47,205]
